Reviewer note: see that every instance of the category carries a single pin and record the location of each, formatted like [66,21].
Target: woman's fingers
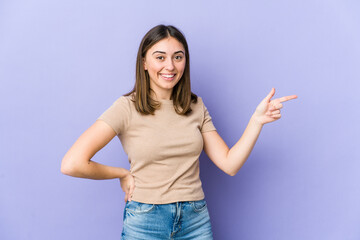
[275,105]
[269,110]
[276,115]
[131,192]
[270,95]
[287,98]
[125,199]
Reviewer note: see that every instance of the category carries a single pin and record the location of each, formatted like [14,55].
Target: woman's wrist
[256,120]
[123,173]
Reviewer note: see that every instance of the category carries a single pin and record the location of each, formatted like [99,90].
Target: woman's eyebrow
[179,52]
[165,52]
[158,52]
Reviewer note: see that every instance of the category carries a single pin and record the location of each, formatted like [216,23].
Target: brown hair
[181,94]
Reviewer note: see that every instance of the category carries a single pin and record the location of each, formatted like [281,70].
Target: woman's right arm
[77,161]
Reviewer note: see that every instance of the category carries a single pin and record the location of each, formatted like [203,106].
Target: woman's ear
[144,64]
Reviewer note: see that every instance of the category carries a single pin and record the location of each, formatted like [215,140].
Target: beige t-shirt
[163,149]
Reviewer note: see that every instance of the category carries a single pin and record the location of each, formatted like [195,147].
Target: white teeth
[168,76]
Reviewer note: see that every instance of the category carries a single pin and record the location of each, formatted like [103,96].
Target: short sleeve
[118,115]
[207,124]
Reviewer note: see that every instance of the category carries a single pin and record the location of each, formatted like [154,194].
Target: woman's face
[165,63]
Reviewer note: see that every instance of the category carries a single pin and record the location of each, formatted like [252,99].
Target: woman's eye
[178,57]
[160,57]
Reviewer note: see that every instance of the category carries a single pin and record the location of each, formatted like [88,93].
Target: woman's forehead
[167,45]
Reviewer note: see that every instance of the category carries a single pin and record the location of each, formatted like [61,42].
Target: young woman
[163,128]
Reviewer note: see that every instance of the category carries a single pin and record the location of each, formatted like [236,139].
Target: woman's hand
[269,110]
[128,185]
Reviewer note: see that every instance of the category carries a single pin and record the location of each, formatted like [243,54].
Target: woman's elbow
[231,172]
[68,168]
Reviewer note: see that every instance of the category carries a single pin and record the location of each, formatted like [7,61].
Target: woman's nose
[169,65]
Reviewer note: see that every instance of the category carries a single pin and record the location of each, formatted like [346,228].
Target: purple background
[62,63]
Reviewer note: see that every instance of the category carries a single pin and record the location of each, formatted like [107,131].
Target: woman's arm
[231,160]
[77,161]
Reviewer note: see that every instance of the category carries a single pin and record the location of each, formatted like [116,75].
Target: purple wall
[62,63]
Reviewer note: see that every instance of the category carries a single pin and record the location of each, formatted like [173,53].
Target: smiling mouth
[168,77]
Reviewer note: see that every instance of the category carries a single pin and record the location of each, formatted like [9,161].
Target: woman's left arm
[231,160]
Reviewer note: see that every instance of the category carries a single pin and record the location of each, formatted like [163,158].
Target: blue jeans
[178,220]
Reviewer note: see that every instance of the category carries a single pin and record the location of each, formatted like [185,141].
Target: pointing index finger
[287,98]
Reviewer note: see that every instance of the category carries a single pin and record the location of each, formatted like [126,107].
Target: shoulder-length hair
[181,94]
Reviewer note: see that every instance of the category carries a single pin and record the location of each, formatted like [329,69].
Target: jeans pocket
[138,207]
[199,205]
